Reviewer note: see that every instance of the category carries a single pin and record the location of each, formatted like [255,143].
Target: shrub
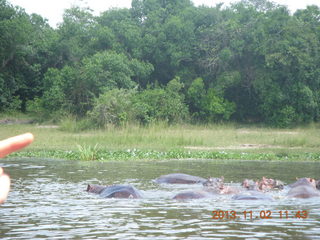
[14,105]
[121,106]
[113,107]
[216,107]
[284,117]
[208,105]
[161,104]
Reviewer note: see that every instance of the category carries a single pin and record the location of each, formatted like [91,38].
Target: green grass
[160,141]
[88,152]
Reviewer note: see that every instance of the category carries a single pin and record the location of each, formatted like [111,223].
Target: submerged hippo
[318,184]
[303,188]
[214,182]
[180,178]
[256,189]
[196,194]
[249,184]
[252,195]
[114,191]
[265,184]
[217,186]
[303,181]
[211,187]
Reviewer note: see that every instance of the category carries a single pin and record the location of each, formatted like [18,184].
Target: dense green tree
[75,35]
[165,104]
[208,105]
[26,51]
[126,31]
[252,61]
[75,87]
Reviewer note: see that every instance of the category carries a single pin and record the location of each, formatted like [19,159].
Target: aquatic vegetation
[93,153]
[88,152]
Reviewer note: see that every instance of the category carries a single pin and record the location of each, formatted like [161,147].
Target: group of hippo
[249,189]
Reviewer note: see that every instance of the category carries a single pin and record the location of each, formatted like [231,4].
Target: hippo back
[191,195]
[120,191]
[303,191]
[179,178]
[303,181]
[252,195]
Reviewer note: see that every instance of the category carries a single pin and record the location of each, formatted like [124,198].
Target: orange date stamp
[259,214]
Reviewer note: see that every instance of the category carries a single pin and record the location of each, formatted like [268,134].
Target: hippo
[180,178]
[249,184]
[268,183]
[303,188]
[114,191]
[265,184]
[216,185]
[192,195]
[255,189]
[211,186]
[318,184]
[214,182]
[303,181]
[252,195]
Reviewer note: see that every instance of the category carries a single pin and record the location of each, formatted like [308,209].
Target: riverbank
[160,142]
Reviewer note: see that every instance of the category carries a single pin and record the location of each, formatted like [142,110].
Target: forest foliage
[251,62]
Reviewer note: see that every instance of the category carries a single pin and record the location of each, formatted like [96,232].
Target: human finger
[4,186]
[12,144]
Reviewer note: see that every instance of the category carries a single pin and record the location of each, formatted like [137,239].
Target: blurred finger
[12,144]
[4,187]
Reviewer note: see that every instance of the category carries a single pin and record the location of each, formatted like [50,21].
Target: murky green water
[48,201]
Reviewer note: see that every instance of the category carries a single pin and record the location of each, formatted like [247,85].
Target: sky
[53,10]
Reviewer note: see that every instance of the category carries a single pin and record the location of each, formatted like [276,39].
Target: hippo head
[305,181]
[269,183]
[214,183]
[249,184]
[312,181]
[278,184]
[92,188]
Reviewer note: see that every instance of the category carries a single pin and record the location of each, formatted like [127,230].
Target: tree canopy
[251,62]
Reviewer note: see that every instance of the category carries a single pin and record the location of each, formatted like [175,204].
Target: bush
[161,104]
[216,107]
[113,107]
[14,105]
[284,117]
[121,106]
[207,105]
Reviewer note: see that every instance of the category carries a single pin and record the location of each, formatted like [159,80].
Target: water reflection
[48,200]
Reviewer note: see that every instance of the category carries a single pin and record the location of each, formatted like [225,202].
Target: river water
[48,201]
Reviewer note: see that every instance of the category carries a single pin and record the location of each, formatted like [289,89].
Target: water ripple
[48,201]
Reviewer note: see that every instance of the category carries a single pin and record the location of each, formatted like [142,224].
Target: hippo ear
[88,188]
